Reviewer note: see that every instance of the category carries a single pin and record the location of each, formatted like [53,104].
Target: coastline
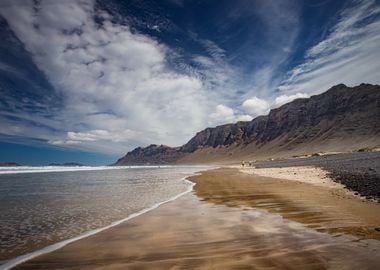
[230,212]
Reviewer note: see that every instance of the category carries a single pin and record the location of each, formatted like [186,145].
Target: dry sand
[234,220]
[306,174]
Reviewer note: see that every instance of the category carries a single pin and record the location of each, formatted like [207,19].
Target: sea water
[40,206]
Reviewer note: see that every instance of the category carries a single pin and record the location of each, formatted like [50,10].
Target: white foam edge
[26,257]
[46,169]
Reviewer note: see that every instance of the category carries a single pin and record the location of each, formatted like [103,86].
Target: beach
[236,220]
[192,135]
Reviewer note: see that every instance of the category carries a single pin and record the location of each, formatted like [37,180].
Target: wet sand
[234,220]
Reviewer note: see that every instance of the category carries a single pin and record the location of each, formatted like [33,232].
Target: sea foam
[42,169]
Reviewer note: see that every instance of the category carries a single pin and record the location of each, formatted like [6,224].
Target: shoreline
[11,263]
[51,169]
[228,195]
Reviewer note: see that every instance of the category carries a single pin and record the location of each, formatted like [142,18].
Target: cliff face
[341,119]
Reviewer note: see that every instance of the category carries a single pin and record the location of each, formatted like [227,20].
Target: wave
[42,169]
[23,258]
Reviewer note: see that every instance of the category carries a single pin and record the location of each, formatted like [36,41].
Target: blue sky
[90,80]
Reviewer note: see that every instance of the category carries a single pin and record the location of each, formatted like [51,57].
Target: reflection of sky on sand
[269,239]
[256,219]
[325,210]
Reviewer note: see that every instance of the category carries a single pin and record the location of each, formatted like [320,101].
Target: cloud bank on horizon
[107,76]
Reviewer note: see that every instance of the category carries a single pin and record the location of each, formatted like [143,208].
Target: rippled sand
[235,221]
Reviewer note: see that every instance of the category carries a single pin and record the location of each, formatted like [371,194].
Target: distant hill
[9,164]
[341,119]
[67,164]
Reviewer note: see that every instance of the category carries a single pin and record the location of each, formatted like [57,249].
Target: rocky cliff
[153,154]
[340,119]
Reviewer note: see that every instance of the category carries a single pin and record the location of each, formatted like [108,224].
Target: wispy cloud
[213,68]
[349,54]
[281,25]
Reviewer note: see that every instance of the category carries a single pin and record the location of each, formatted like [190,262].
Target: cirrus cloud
[349,54]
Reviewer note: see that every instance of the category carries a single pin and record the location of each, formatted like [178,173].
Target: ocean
[43,206]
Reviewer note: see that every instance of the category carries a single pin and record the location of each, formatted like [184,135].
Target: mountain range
[341,119]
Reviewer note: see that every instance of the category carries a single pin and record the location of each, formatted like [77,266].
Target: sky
[87,81]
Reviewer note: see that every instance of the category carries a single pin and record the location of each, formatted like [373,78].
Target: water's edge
[44,169]
[50,248]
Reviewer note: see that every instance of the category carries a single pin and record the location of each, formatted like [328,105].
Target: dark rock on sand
[67,164]
[9,164]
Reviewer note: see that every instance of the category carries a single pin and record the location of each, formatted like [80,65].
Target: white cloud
[243,117]
[63,142]
[256,106]
[115,82]
[91,136]
[252,107]
[281,100]
[350,53]
[224,114]
[98,135]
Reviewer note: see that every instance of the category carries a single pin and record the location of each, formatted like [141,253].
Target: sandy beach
[181,134]
[233,220]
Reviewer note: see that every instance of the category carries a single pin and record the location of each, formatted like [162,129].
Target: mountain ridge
[341,119]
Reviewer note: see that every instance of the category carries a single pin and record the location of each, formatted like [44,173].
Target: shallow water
[39,206]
